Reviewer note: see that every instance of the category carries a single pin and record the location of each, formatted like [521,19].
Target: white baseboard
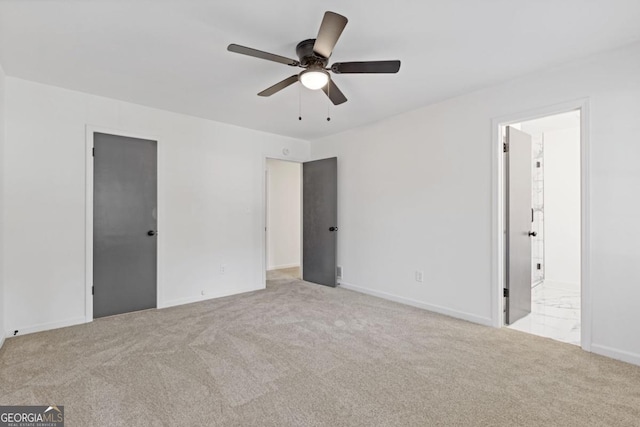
[487,321]
[24,330]
[279,267]
[614,353]
[212,295]
[81,320]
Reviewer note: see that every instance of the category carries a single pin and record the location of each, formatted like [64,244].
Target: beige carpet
[299,354]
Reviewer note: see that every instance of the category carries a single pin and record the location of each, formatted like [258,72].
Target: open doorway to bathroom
[283,219]
[542,188]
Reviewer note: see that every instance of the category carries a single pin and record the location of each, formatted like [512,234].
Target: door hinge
[505,293]
[93,152]
[505,147]
[92,290]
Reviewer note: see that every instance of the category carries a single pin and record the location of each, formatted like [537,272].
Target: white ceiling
[172,54]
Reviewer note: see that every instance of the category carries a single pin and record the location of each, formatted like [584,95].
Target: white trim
[263,216]
[2,338]
[279,267]
[50,325]
[218,294]
[90,130]
[498,220]
[625,356]
[487,321]
[585,225]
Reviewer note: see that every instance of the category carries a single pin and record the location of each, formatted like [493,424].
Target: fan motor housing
[307,56]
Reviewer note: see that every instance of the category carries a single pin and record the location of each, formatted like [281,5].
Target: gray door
[519,221]
[319,224]
[124,224]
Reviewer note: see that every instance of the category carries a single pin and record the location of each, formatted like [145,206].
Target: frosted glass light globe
[314,79]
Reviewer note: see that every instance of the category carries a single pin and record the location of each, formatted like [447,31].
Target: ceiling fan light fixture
[313,57]
[314,79]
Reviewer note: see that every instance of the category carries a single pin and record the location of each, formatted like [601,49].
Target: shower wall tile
[537,202]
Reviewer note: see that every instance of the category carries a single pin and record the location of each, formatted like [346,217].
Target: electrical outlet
[339,272]
[202,292]
[223,268]
[419,276]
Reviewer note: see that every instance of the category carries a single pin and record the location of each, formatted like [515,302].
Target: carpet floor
[298,354]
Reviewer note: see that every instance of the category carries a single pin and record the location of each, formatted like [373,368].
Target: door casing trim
[498,206]
[89,131]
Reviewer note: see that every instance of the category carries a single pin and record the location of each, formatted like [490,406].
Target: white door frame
[285,158]
[90,130]
[498,215]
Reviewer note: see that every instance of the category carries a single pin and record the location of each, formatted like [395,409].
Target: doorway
[301,205]
[124,224]
[543,235]
[283,187]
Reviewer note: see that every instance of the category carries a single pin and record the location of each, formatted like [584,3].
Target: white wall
[283,214]
[562,206]
[211,186]
[415,192]
[2,202]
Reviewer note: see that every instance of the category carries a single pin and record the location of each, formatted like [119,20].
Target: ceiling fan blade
[279,86]
[262,55]
[335,95]
[366,67]
[329,33]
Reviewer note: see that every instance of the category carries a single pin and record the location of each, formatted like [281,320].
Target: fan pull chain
[299,102]
[329,100]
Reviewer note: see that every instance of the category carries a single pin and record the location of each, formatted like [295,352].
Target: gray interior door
[124,224]
[518,161]
[319,223]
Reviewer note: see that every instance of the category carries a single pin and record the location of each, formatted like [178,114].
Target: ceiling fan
[313,56]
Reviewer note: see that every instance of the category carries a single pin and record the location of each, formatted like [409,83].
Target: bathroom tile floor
[555,312]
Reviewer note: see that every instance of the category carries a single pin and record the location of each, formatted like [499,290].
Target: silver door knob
[151,233]
[533,234]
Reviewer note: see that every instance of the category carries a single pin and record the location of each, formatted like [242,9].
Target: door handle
[533,234]
[333,228]
[151,233]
